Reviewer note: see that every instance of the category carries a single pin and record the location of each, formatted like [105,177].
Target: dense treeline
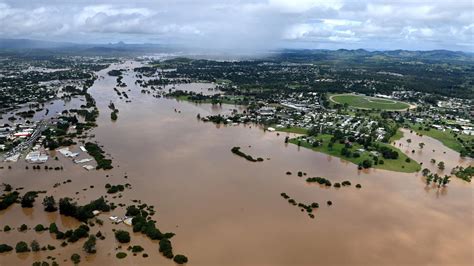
[82,213]
[337,71]
[95,151]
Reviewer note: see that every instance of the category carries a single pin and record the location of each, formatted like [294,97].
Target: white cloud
[298,6]
[249,24]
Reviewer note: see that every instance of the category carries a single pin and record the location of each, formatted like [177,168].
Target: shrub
[28,199]
[122,236]
[35,247]
[8,199]
[60,235]
[136,249]
[367,164]
[49,204]
[39,228]
[358,186]
[346,183]
[21,247]
[180,259]
[75,258]
[5,248]
[90,245]
[80,232]
[23,228]
[165,248]
[121,255]
[6,228]
[53,228]
[115,188]
[113,116]
[319,180]
[132,211]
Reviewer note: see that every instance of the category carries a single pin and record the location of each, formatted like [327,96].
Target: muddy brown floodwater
[228,211]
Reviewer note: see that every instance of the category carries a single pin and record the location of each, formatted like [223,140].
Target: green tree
[53,228]
[49,204]
[21,247]
[441,165]
[122,236]
[425,171]
[28,199]
[180,259]
[313,131]
[35,246]
[5,248]
[90,245]
[446,180]
[367,164]
[75,258]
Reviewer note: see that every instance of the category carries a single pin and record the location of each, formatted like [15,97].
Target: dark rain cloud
[246,24]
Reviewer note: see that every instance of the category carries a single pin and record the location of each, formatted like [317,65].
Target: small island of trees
[236,151]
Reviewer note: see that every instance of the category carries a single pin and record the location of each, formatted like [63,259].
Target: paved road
[42,126]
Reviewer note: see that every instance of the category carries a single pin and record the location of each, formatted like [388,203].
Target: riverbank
[449,138]
[402,164]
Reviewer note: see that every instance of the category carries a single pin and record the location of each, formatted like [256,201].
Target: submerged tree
[425,171]
[441,165]
[35,246]
[90,245]
[49,204]
[445,180]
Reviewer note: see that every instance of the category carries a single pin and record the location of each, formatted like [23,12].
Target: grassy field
[399,165]
[297,130]
[446,137]
[397,136]
[366,102]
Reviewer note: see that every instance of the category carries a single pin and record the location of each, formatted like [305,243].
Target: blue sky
[247,24]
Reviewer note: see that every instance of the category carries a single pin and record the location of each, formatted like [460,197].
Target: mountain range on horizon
[47,47]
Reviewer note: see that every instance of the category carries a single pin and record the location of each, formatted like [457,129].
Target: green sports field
[367,102]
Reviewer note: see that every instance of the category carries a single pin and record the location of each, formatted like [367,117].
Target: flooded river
[228,211]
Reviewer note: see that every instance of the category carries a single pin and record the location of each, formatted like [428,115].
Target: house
[375,153]
[36,157]
[88,167]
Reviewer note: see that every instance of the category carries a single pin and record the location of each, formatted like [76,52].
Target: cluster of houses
[27,137]
[66,152]
[22,137]
[305,111]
